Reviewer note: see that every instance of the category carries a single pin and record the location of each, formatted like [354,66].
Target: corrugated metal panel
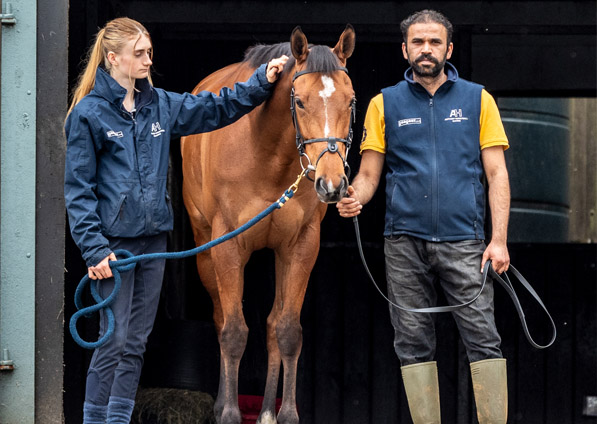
[539,134]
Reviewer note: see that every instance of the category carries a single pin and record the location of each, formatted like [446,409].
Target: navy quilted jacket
[117,161]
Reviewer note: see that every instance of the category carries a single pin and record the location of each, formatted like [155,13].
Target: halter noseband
[332,146]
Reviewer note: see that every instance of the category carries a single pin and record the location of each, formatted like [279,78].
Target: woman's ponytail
[86,80]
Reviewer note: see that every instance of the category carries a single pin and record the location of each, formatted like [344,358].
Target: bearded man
[438,135]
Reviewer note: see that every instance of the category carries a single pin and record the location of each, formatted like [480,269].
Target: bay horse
[232,174]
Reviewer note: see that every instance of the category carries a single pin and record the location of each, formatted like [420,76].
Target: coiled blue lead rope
[129,263]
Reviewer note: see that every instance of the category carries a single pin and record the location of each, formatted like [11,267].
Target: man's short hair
[423,17]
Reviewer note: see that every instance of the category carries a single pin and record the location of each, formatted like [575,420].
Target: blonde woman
[118,131]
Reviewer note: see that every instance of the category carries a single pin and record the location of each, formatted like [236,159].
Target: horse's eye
[300,104]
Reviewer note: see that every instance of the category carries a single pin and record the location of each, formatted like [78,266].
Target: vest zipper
[434,176]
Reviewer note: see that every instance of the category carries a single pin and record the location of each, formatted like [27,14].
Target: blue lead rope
[129,263]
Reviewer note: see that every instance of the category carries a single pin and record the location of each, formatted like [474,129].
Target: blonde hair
[111,38]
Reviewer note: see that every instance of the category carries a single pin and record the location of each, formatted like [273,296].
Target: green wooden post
[17,212]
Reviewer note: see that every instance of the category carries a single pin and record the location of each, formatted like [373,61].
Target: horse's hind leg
[268,411]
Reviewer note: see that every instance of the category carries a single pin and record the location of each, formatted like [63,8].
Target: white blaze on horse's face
[325,94]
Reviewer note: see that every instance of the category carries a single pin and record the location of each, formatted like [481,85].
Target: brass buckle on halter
[294,187]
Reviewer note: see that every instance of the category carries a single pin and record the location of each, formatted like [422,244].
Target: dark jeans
[116,366]
[413,267]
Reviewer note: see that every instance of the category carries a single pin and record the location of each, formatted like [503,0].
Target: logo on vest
[409,121]
[156,129]
[113,133]
[456,116]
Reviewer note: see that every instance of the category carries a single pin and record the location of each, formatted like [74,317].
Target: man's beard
[433,72]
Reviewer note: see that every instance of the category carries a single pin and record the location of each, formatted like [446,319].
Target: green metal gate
[17,210]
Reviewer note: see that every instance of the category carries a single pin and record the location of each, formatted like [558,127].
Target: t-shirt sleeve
[374,128]
[492,130]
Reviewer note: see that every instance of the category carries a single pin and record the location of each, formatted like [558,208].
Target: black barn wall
[52,53]
[348,372]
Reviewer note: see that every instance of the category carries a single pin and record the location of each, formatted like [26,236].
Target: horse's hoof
[231,416]
[288,417]
[267,418]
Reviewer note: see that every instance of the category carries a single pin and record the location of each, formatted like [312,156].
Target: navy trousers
[116,366]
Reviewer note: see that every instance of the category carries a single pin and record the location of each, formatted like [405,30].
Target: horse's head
[322,104]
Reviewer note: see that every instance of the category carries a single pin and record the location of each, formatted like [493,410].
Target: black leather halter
[332,146]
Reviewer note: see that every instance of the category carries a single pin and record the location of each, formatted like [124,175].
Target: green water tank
[537,161]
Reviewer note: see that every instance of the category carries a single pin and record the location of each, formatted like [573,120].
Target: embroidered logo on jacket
[456,116]
[156,129]
[409,121]
[112,133]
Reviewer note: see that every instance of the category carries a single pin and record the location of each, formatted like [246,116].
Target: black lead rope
[487,269]
[510,289]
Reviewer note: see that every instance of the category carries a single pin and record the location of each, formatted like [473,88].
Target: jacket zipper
[132,116]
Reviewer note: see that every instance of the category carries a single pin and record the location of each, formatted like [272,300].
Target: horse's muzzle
[327,192]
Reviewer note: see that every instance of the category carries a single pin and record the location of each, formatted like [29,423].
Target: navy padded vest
[433,183]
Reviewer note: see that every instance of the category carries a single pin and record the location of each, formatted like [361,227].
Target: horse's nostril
[342,186]
[344,183]
[320,185]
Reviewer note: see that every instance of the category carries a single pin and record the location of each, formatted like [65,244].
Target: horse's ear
[299,45]
[345,45]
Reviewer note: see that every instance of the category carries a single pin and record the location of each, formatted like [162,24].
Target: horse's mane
[320,59]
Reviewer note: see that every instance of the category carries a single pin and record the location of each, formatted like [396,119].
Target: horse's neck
[275,130]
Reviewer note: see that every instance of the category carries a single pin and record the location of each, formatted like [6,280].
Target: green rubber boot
[491,390]
[422,391]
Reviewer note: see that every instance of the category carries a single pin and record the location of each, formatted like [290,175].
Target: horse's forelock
[322,59]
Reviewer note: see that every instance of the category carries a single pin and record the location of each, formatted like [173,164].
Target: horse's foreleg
[233,340]
[292,275]
[208,278]
[229,266]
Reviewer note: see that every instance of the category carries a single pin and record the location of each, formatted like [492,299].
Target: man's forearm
[499,203]
[365,188]
[367,180]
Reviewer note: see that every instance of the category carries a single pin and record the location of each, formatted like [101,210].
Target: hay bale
[172,406]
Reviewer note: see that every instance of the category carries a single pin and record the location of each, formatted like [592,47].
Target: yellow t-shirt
[491,128]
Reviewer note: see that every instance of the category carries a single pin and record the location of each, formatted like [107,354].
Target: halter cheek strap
[332,142]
